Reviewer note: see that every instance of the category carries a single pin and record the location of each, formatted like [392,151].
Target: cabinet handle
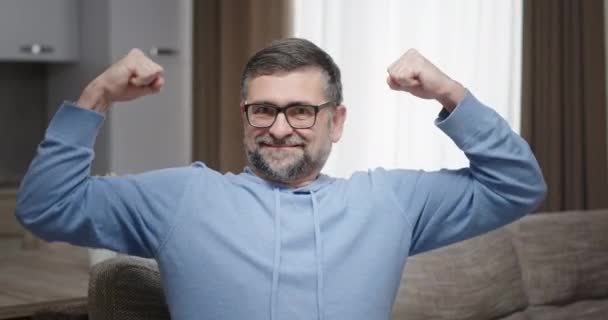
[162,52]
[36,48]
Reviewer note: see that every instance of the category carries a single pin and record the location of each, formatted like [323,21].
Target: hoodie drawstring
[319,254]
[277,254]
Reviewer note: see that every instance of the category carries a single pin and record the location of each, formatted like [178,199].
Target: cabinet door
[145,24]
[153,132]
[38,30]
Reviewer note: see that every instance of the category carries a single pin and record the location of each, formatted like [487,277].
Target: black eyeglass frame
[283,110]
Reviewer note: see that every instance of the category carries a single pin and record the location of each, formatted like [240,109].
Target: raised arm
[502,183]
[59,200]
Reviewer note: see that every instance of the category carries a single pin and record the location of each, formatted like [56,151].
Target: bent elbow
[532,194]
[24,210]
[29,216]
[538,194]
[37,216]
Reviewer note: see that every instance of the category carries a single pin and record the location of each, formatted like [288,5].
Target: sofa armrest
[126,288]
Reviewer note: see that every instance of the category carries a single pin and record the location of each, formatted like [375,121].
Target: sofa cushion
[474,279]
[563,258]
[582,310]
[520,315]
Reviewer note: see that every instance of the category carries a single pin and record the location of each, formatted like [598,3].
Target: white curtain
[476,42]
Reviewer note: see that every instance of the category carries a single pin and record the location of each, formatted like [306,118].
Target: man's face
[281,153]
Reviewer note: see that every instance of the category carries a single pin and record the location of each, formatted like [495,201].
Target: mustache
[291,140]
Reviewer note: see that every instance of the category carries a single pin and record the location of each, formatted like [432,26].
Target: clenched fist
[133,76]
[413,73]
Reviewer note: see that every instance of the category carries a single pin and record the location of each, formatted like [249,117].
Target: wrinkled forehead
[304,85]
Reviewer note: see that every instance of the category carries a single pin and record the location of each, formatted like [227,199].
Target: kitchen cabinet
[151,132]
[155,131]
[39,30]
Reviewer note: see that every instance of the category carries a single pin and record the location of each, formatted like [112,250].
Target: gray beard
[299,169]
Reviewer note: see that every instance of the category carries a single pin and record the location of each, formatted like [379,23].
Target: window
[476,42]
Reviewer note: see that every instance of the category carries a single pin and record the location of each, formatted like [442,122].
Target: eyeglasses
[299,116]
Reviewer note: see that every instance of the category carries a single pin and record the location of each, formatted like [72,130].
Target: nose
[280,128]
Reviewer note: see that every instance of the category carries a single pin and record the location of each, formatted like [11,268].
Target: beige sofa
[545,266]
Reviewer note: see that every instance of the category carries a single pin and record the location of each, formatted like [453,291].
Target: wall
[22,118]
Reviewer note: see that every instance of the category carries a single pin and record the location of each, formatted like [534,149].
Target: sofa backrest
[544,259]
[474,279]
[564,256]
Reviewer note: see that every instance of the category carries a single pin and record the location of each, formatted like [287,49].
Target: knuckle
[136,51]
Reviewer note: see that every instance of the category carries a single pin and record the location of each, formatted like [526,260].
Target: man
[280,240]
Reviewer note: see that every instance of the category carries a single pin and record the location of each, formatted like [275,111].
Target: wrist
[94,97]
[452,96]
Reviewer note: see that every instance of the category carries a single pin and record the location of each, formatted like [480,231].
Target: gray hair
[290,54]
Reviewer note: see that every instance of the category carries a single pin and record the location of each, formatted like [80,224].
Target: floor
[9,246]
[35,279]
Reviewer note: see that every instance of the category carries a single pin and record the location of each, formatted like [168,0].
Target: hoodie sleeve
[59,200]
[502,183]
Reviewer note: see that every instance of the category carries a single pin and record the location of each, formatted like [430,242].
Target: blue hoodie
[239,247]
